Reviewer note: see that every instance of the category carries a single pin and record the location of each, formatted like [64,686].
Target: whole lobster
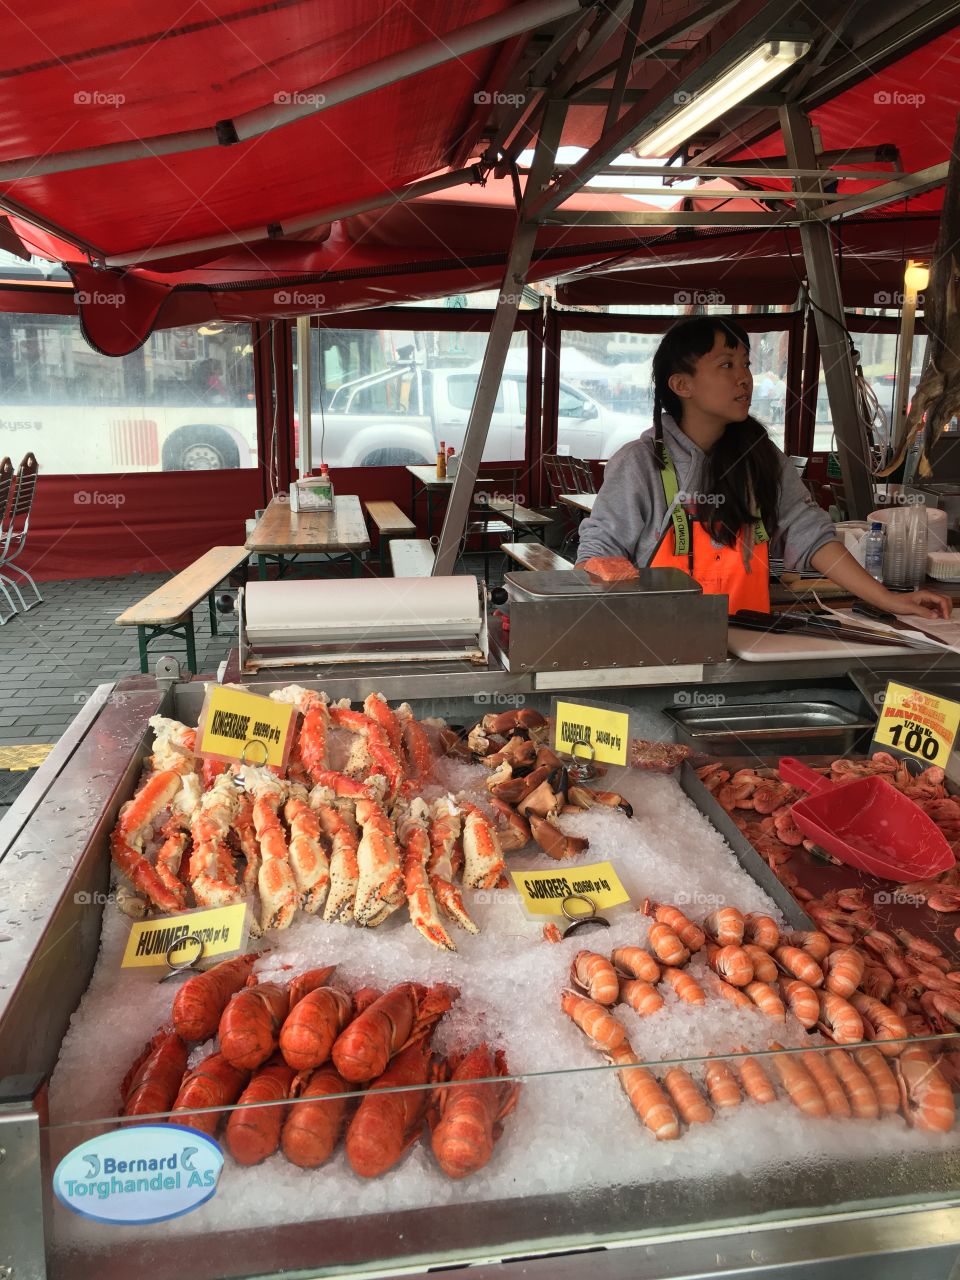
[469,1117]
[313,1125]
[201,1000]
[153,1081]
[406,1013]
[253,1133]
[387,1124]
[214,1082]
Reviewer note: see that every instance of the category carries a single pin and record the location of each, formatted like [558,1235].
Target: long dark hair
[742,475]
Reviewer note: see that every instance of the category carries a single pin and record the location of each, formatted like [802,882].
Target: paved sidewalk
[53,657]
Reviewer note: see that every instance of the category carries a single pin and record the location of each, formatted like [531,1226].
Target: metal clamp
[583,768]
[190,963]
[581,919]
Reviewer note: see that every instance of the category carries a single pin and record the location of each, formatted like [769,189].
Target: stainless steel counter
[885,1219]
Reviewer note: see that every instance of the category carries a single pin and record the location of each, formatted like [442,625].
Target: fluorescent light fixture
[746,76]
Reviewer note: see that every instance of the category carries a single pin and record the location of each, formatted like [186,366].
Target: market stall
[553,1180]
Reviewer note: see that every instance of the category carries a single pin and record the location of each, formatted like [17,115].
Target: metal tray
[811,727]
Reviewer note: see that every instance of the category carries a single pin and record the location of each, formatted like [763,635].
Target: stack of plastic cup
[916,537]
[896,568]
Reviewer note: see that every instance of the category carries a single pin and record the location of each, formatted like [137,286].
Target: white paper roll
[387,607]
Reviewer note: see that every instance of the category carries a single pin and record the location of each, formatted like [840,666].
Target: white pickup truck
[401,414]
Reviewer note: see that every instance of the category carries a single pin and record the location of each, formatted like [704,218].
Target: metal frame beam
[673,218]
[498,342]
[754,170]
[835,353]
[732,36]
[844,71]
[625,63]
[563,81]
[911,184]
[657,45]
[252,235]
[304,391]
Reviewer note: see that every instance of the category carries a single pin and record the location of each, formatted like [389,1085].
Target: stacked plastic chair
[16,502]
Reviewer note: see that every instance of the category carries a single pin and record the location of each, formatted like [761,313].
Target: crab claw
[546,755]
[478,742]
[585,798]
[502,773]
[508,721]
[553,841]
[519,752]
[454,745]
[543,801]
[516,789]
[514,831]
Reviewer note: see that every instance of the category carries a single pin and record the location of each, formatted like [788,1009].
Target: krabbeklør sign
[141,1173]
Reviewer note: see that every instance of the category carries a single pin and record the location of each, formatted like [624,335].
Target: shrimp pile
[746,793]
[828,986]
[342,1056]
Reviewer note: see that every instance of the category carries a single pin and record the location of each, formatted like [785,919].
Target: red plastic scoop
[868,824]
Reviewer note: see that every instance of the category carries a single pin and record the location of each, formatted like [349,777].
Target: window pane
[878,358]
[768,361]
[606,388]
[387,397]
[183,401]
[606,397]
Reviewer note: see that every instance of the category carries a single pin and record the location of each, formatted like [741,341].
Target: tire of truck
[394,458]
[200,449]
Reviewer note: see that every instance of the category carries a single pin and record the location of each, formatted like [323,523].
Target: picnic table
[425,483]
[581,501]
[280,535]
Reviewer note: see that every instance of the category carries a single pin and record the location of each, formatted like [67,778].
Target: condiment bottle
[442,461]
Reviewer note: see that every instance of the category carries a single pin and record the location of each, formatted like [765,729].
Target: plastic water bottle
[873,551]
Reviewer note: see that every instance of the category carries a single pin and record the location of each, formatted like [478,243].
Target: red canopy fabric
[67,86]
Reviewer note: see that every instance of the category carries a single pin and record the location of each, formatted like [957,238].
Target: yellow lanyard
[682,535]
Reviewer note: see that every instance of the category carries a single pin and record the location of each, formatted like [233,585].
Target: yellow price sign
[236,725]
[917,724]
[544,892]
[607,733]
[221,929]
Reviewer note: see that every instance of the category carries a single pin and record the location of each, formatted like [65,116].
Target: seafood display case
[666,1127]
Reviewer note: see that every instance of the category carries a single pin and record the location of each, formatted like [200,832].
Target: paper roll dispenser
[287,624]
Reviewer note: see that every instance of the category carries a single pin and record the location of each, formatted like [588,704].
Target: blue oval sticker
[140,1173]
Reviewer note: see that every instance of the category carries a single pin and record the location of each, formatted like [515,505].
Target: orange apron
[720,570]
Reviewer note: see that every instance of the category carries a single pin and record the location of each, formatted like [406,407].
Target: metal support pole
[835,353]
[304,352]
[901,387]
[498,342]
[22,1251]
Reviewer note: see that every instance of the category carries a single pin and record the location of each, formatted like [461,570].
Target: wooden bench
[412,557]
[534,555]
[168,611]
[519,516]
[390,522]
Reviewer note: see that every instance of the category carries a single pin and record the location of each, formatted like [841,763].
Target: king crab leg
[278,889]
[445,824]
[415,845]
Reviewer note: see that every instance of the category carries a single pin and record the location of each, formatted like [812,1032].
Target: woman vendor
[707,491]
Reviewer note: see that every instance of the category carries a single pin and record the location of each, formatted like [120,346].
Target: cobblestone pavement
[54,656]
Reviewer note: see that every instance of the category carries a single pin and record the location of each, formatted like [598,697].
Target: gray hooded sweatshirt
[631,513]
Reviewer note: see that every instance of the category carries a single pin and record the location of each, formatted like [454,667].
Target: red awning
[66,87]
